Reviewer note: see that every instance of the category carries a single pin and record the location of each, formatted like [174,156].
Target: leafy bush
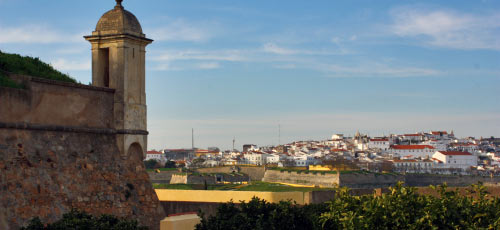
[78,220]
[18,64]
[259,214]
[401,208]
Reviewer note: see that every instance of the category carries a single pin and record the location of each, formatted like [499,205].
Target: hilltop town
[435,152]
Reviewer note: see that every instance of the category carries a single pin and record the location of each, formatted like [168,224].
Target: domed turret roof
[119,21]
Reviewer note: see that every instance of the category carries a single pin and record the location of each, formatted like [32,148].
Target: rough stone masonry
[66,146]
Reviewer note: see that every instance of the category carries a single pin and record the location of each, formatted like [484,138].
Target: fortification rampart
[302,178]
[255,173]
[419,180]
[56,105]
[369,180]
[58,151]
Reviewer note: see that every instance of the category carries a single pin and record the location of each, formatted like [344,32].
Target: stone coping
[73,129]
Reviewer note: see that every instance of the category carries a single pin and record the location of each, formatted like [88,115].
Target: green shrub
[401,208]
[78,220]
[259,214]
[25,65]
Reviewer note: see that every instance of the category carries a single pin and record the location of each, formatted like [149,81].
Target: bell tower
[118,62]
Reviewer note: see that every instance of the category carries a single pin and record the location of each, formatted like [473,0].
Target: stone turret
[118,62]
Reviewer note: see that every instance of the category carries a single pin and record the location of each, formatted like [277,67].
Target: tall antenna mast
[192,138]
[234,140]
[279,134]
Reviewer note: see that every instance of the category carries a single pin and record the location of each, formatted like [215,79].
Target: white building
[303,160]
[413,137]
[455,159]
[155,155]
[381,143]
[272,159]
[413,166]
[412,151]
[254,158]
[439,145]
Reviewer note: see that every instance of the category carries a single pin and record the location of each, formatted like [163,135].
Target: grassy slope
[18,64]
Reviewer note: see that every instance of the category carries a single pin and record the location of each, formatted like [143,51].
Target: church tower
[118,62]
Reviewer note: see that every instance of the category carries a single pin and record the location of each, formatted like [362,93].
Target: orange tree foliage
[401,208]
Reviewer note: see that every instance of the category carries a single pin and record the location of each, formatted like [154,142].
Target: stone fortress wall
[58,151]
[303,178]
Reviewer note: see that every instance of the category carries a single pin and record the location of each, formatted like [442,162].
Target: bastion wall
[302,178]
[58,151]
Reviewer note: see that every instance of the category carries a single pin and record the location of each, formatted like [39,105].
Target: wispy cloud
[284,58]
[273,48]
[446,28]
[213,55]
[181,30]
[35,34]
[71,65]
[208,65]
[376,70]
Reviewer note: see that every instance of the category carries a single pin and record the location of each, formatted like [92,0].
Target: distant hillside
[18,64]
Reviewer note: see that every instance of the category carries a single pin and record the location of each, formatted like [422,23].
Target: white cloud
[36,34]
[444,28]
[180,30]
[214,55]
[208,65]
[273,48]
[376,70]
[70,65]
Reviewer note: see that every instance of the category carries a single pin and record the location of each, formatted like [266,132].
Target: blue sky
[240,68]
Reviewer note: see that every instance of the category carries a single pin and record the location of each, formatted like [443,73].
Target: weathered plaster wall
[57,103]
[46,174]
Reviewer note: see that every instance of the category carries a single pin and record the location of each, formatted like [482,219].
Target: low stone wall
[369,180]
[179,179]
[419,180]
[304,178]
[255,173]
[161,177]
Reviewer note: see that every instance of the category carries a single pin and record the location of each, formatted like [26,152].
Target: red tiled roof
[439,132]
[412,147]
[153,152]
[437,160]
[379,139]
[412,135]
[455,153]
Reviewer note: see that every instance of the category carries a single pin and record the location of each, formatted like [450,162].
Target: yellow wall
[226,196]
[321,167]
